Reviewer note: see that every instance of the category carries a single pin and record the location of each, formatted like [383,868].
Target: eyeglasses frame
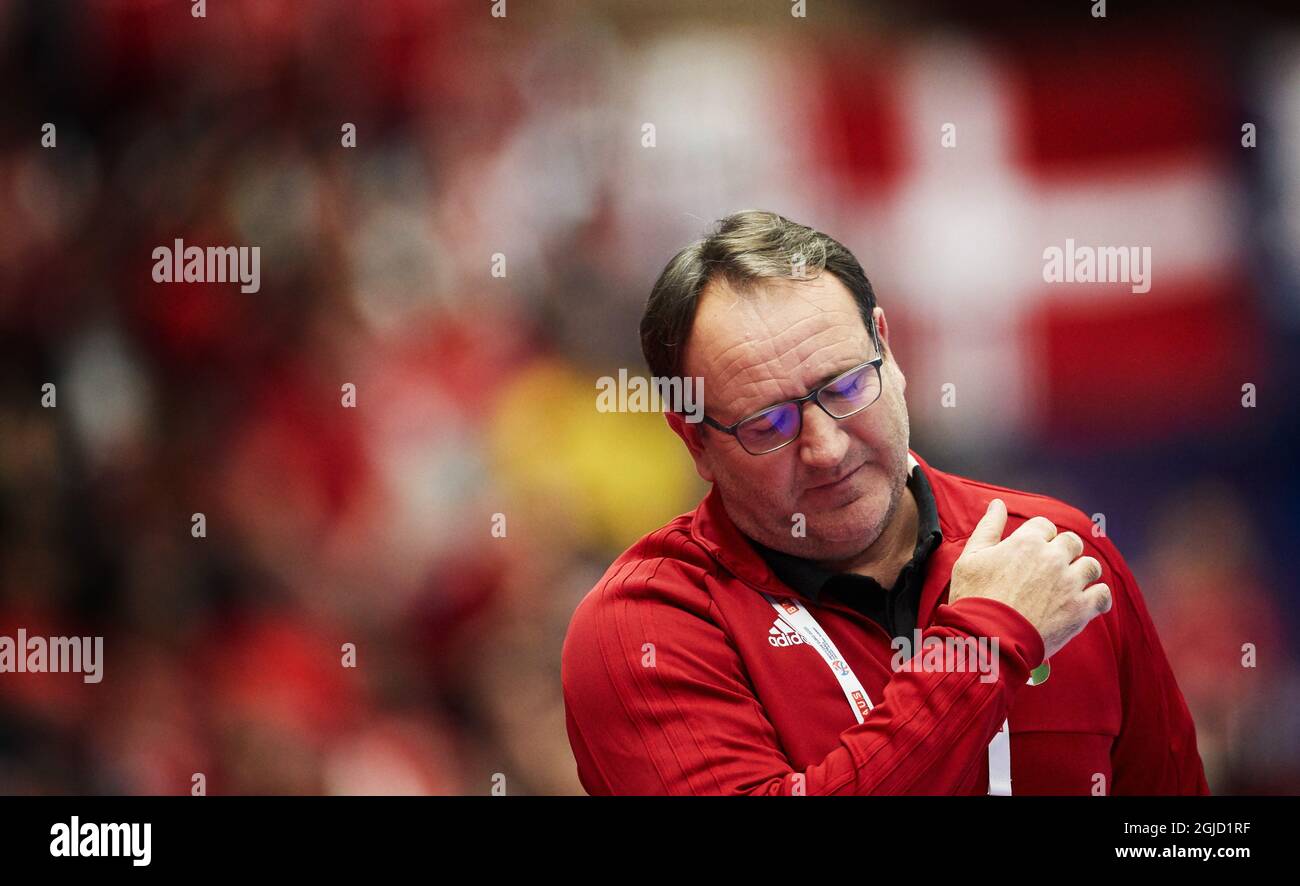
[812,395]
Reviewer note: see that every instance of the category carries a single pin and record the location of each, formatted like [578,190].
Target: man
[766,643]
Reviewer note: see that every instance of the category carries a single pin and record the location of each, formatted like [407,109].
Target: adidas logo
[781,634]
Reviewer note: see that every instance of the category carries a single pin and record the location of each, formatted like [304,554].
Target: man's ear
[882,331]
[692,434]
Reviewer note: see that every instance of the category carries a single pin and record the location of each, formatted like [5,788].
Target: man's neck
[887,556]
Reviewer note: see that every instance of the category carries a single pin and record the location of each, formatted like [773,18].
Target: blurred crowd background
[526,136]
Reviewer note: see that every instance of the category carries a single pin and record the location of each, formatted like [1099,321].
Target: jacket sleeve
[657,702]
[1155,752]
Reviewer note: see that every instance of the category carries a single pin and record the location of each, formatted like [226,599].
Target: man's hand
[1035,571]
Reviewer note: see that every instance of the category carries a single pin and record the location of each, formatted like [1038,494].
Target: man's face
[777,343]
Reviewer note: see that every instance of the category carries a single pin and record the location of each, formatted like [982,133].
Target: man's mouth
[835,485]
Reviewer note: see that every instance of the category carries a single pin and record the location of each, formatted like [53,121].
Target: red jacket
[671,685]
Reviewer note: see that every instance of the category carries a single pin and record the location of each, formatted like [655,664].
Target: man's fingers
[1038,526]
[1071,542]
[988,531]
[1098,597]
[1088,569]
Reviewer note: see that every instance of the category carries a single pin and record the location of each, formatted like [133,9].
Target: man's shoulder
[659,581]
[967,499]
[661,563]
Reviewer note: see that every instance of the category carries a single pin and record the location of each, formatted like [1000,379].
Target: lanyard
[799,618]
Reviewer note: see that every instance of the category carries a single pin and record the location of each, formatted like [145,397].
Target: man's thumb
[988,531]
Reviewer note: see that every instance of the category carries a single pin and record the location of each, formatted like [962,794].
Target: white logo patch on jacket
[781,634]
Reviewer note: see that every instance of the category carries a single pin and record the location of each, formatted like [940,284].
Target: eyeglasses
[846,394]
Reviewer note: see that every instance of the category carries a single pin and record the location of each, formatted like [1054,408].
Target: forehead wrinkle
[755,382]
[815,374]
[737,351]
[740,352]
[847,330]
[807,350]
[767,374]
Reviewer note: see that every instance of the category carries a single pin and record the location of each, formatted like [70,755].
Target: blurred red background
[524,136]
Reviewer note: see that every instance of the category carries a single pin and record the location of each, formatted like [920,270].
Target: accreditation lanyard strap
[798,617]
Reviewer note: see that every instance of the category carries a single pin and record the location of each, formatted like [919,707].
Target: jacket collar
[713,529]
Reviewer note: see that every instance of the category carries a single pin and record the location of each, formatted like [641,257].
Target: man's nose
[822,442]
